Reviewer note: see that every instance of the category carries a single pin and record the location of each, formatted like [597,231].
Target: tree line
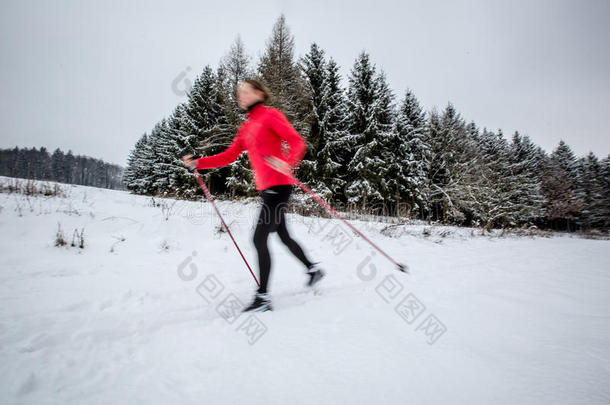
[62,167]
[366,149]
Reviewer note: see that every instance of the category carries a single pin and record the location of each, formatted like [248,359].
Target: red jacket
[261,135]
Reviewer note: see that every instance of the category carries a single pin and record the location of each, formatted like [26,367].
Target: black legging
[272,218]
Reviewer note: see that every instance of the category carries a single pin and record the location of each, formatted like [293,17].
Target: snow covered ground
[146,312]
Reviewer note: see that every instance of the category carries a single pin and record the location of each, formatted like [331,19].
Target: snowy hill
[142,314]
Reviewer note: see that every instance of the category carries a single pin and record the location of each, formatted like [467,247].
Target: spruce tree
[234,67]
[331,160]
[204,127]
[171,176]
[68,167]
[559,188]
[605,200]
[279,71]
[485,194]
[370,128]
[313,67]
[414,151]
[590,190]
[156,145]
[57,165]
[451,161]
[137,165]
[525,165]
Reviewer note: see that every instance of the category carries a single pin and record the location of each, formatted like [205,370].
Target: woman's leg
[282,230]
[268,222]
[294,247]
[261,234]
[314,272]
[272,218]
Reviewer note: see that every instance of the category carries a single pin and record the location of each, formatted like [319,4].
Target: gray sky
[93,76]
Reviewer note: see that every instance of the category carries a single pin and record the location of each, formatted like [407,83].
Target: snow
[520,320]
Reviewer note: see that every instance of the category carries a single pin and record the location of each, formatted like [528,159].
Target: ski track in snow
[526,319]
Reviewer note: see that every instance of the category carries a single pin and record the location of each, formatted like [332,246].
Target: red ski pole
[273,163]
[210,199]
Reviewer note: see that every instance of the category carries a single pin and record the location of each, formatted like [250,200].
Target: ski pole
[273,163]
[211,200]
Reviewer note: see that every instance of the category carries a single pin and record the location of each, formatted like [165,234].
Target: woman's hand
[279,165]
[189,162]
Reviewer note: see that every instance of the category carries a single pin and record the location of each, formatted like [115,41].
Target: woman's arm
[282,127]
[223,158]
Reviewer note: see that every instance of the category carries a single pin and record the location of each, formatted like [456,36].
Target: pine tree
[68,168]
[43,164]
[235,67]
[370,127]
[564,156]
[438,175]
[414,151]
[559,188]
[37,164]
[523,172]
[57,165]
[280,73]
[605,200]
[156,147]
[139,176]
[392,148]
[136,166]
[331,159]
[486,194]
[452,162]
[5,162]
[590,190]
[162,146]
[171,176]
[314,70]
[504,186]
[204,123]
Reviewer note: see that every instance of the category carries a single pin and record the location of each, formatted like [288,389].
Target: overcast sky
[93,76]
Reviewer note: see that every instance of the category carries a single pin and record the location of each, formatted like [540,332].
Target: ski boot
[261,303]
[315,274]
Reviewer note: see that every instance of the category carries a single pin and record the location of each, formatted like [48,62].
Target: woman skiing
[261,135]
